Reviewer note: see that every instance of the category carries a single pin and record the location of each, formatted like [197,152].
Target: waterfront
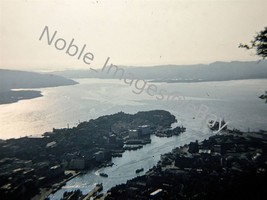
[236,101]
[124,168]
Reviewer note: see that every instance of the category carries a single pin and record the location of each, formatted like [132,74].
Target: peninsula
[29,166]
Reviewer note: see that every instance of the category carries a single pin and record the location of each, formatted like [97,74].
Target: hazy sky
[129,32]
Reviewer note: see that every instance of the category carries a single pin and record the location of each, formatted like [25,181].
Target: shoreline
[221,167]
[44,160]
[11,96]
[45,191]
[201,81]
[165,167]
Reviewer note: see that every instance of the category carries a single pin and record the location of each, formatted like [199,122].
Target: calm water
[235,101]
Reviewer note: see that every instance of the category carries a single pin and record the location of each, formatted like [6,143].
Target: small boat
[103,175]
[109,164]
[100,187]
[139,170]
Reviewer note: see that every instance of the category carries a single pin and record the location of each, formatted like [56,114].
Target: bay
[234,101]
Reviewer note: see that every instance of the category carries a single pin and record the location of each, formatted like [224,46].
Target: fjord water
[235,101]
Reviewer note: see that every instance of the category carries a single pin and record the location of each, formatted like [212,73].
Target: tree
[259,43]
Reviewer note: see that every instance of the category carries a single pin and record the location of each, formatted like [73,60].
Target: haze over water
[235,101]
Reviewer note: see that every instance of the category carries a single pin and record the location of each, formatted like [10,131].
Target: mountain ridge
[217,71]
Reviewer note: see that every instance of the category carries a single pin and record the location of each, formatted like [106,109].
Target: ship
[139,170]
[215,125]
[103,175]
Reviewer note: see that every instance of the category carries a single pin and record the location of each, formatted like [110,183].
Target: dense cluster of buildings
[28,164]
[230,166]
[23,178]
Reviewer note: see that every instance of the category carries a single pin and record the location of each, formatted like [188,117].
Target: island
[33,168]
[12,96]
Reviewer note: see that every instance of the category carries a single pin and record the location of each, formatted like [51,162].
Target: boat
[215,125]
[139,170]
[100,187]
[109,164]
[103,175]
[116,154]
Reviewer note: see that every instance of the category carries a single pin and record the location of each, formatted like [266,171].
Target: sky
[131,33]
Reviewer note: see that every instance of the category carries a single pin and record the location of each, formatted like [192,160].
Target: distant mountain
[218,71]
[11,79]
